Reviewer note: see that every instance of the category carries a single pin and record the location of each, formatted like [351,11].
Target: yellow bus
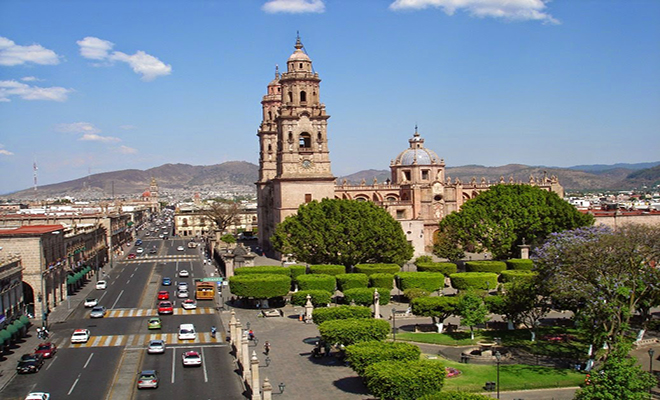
[204,290]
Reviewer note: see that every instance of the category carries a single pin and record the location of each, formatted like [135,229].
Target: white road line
[118,297]
[128,281]
[74,385]
[173,363]
[50,364]
[102,296]
[206,376]
[133,274]
[88,360]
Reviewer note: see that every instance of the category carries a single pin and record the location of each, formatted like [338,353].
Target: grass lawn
[512,377]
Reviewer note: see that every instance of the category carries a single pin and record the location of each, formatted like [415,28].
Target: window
[425,174]
[406,175]
[400,214]
[305,140]
[308,197]
[303,96]
[290,97]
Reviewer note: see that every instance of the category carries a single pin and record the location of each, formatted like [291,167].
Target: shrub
[264,269]
[327,269]
[320,298]
[404,380]
[445,268]
[516,274]
[473,280]
[452,395]
[485,266]
[429,281]
[297,270]
[351,281]
[365,296]
[354,330]
[370,269]
[519,263]
[320,315]
[361,355]
[381,280]
[415,293]
[317,282]
[259,286]
[423,260]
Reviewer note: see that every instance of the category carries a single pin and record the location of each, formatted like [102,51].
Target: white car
[80,336]
[38,396]
[89,303]
[182,294]
[189,304]
[187,332]
[191,359]
[183,286]
[139,250]
[156,347]
[180,248]
[101,285]
[184,274]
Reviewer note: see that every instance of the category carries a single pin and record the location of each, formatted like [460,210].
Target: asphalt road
[106,367]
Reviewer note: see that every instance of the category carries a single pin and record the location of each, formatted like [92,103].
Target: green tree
[228,239]
[345,232]
[472,310]
[499,219]
[438,308]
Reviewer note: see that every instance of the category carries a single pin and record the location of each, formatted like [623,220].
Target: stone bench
[645,342]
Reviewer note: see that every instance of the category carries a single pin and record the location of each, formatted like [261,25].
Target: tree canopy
[501,218]
[223,213]
[346,232]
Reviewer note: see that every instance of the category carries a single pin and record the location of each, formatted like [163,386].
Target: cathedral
[294,165]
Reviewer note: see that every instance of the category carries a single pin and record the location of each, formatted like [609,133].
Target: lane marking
[88,360]
[128,281]
[118,297]
[50,364]
[173,363]
[206,376]
[74,385]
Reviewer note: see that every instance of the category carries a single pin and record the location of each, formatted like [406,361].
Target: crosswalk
[152,312]
[164,258]
[142,340]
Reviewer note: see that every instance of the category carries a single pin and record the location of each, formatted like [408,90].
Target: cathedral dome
[417,154]
[299,54]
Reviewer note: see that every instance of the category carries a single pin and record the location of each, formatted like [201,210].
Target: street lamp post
[498,357]
[394,324]
[651,352]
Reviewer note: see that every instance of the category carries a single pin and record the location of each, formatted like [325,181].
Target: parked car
[47,349]
[101,285]
[154,323]
[156,347]
[89,303]
[80,336]
[97,312]
[191,359]
[148,379]
[29,363]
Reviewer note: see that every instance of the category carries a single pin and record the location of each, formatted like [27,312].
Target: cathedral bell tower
[294,163]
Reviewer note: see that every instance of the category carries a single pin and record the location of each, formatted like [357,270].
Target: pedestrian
[267,347]
[250,335]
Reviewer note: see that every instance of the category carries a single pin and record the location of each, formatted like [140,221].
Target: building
[13,321]
[294,165]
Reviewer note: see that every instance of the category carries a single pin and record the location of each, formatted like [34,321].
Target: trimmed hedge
[381,280]
[361,355]
[327,269]
[404,380]
[516,275]
[520,264]
[473,280]
[354,330]
[351,281]
[317,282]
[453,395]
[297,270]
[320,315]
[365,296]
[485,266]
[415,293]
[263,269]
[445,268]
[259,286]
[371,269]
[429,281]
[320,298]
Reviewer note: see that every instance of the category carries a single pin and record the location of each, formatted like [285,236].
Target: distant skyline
[90,87]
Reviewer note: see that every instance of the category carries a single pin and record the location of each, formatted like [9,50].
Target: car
[191,359]
[165,307]
[187,332]
[47,349]
[90,302]
[156,347]
[131,256]
[38,396]
[101,285]
[29,363]
[182,294]
[167,281]
[163,295]
[139,250]
[184,273]
[152,251]
[97,312]
[189,304]
[182,286]
[161,236]
[80,336]
[180,248]
[148,379]
[154,323]
[147,234]
[138,242]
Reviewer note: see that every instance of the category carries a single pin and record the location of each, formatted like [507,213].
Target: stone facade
[11,289]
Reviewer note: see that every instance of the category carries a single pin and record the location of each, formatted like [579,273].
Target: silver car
[148,379]
[156,347]
[97,312]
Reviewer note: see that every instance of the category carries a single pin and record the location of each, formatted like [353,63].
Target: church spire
[299,44]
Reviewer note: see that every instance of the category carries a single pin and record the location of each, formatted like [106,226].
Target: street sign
[213,279]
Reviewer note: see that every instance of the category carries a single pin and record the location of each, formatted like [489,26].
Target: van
[187,332]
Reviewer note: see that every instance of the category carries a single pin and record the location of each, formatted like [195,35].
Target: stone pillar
[238,346]
[376,304]
[245,358]
[254,369]
[267,390]
[309,308]
[524,251]
[232,323]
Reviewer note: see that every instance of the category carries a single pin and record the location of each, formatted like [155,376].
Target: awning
[70,280]
[18,324]
[11,329]
[25,320]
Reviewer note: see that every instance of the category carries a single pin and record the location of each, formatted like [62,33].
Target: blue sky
[96,86]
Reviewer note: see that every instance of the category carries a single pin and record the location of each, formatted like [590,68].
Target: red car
[46,349]
[163,295]
[131,256]
[165,307]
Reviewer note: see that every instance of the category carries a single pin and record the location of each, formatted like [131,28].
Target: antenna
[34,172]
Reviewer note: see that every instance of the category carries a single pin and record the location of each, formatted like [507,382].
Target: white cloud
[27,92]
[294,6]
[12,54]
[77,127]
[516,10]
[93,137]
[31,79]
[142,63]
[5,152]
[126,150]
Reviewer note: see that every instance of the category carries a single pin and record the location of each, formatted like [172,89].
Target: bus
[204,290]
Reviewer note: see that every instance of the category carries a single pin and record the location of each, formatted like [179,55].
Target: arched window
[270,115]
[270,147]
[290,97]
[303,96]
[319,137]
[305,140]
[290,137]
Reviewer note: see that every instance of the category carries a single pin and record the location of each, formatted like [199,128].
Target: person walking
[267,347]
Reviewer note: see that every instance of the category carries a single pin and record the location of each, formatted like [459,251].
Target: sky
[96,86]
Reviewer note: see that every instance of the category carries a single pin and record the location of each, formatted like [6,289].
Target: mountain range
[239,177]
